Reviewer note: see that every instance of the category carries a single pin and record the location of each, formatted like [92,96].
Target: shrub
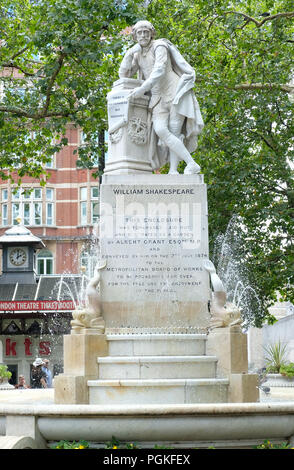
[287,370]
[268,445]
[4,372]
[71,445]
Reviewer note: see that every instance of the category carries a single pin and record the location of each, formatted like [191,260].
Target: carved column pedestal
[128,132]
[80,365]
[229,345]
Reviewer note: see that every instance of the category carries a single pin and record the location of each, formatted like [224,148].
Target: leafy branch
[249,19]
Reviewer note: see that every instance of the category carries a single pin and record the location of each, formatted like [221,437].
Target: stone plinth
[128,130]
[80,364]
[243,388]
[154,237]
[229,345]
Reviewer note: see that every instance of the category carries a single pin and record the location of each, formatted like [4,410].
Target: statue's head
[143,32]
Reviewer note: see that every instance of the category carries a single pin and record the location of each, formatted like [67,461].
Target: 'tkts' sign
[44,348]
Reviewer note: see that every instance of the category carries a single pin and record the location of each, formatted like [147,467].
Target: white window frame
[94,201]
[46,260]
[4,195]
[4,215]
[83,205]
[28,207]
[49,218]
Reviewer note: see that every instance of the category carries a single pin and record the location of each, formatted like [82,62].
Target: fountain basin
[223,425]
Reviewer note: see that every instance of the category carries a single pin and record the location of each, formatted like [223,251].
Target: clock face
[18,256]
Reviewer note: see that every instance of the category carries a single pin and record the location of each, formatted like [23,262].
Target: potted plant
[279,372]
[5,375]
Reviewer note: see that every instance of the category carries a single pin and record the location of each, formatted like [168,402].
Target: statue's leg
[174,143]
[175,126]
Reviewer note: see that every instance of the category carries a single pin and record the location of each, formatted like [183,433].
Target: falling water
[233,271]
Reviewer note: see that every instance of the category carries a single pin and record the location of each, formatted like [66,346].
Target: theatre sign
[37,305]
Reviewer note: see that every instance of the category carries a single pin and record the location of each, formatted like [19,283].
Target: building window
[15,195]
[37,193]
[49,206]
[4,194]
[4,214]
[49,194]
[94,212]
[83,205]
[49,213]
[15,213]
[82,138]
[94,204]
[28,205]
[37,213]
[50,162]
[88,262]
[94,192]
[45,262]
[25,206]
[26,213]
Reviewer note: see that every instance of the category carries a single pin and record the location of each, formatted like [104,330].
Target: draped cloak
[185,104]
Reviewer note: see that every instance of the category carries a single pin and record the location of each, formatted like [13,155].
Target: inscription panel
[155,239]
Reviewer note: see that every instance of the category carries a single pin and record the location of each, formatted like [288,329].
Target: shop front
[27,332]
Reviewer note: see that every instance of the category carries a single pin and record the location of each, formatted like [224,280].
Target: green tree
[57,62]
[242,52]
[58,59]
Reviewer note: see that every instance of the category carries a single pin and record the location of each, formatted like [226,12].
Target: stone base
[81,352]
[22,431]
[80,364]
[70,389]
[155,369]
[76,330]
[158,391]
[229,345]
[243,388]
[127,166]
[17,442]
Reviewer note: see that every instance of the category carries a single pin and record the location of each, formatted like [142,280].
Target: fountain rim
[84,410]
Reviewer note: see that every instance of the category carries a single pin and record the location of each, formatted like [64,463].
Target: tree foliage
[58,59]
[242,52]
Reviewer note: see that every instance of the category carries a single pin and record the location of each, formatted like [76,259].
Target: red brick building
[63,214]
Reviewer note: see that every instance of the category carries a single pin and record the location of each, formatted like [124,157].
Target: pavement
[27,396]
[277,394]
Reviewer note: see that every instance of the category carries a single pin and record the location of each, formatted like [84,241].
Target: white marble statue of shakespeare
[176,118]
